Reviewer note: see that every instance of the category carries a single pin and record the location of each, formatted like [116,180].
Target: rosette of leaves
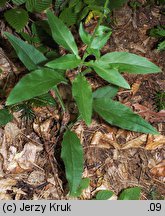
[45,75]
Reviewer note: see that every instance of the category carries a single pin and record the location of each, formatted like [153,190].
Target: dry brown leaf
[158,141]
[135,87]
[80,132]
[158,117]
[159,169]
[11,132]
[135,143]
[25,160]
[18,193]
[50,192]
[3,151]
[1,166]
[36,177]
[101,140]
[5,65]
[149,114]
[43,128]
[11,164]
[7,184]
[27,157]
[5,196]
[138,47]
[96,138]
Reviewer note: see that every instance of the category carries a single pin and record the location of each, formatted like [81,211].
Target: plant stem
[88,70]
[100,21]
[59,97]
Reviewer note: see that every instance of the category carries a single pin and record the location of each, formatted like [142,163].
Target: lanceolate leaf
[5,117]
[17,18]
[110,75]
[85,37]
[69,61]
[83,95]
[61,33]
[120,115]
[34,84]
[28,54]
[72,155]
[128,62]
[83,185]
[106,91]
[130,194]
[102,35]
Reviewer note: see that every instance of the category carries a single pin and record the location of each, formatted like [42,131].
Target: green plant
[159,32]
[18,16]
[70,11]
[160,100]
[45,75]
[73,11]
[126,194]
[135,4]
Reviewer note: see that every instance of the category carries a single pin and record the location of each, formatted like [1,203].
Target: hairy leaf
[130,194]
[37,5]
[122,116]
[17,18]
[128,62]
[83,95]
[18,2]
[106,91]
[5,116]
[110,75]
[68,61]
[36,83]
[72,155]
[28,54]
[68,16]
[104,195]
[61,33]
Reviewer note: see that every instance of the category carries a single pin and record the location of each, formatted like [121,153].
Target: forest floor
[114,159]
